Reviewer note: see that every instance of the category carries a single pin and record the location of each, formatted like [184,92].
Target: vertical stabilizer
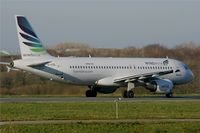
[30,44]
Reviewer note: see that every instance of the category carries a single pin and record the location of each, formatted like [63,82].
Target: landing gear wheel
[94,93]
[128,94]
[91,93]
[88,93]
[169,95]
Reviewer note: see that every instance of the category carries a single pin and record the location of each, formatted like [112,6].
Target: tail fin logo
[32,40]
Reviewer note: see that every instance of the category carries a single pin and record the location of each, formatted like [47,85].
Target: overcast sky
[103,23]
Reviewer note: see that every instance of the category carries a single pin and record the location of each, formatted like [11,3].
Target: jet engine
[105,89]
[160,86]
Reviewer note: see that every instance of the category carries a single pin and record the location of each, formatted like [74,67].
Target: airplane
[102,75]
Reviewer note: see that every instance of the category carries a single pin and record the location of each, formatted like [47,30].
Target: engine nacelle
[105,89]
[109,81]
[160,86]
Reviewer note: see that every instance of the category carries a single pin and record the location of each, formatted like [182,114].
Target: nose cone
[189,75]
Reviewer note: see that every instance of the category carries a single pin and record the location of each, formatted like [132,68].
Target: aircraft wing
[141,76]
[39,64]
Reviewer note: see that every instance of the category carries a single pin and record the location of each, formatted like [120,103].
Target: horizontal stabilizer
[5,63]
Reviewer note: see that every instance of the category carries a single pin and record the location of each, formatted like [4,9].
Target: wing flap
[133,78]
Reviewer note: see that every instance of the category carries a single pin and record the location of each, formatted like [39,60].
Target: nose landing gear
[169,95]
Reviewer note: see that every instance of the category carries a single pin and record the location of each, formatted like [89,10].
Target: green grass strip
[183,127]
[100,110]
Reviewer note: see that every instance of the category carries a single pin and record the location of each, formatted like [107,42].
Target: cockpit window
[185,66]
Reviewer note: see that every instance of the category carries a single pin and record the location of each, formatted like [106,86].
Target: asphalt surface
[99,99]
[98,121]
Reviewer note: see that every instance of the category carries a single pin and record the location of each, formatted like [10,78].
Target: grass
[182,127]
[99,110]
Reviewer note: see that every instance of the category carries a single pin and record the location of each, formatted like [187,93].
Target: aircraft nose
[190,75]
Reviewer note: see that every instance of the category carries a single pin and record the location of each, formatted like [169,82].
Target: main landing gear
[129,93]
[91,92]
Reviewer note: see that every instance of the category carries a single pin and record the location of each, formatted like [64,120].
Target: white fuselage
[88,70]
